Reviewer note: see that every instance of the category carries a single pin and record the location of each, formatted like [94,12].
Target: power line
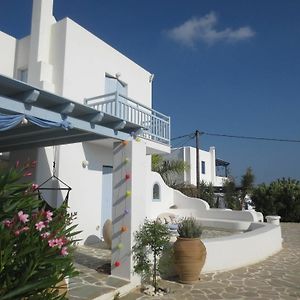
[182,136]
[180,144]
[192,135]
[252,137]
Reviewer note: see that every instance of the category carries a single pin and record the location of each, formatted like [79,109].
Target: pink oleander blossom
[45,235]
[40,225]
[23,217]
[27,174]
[34,186]
[7,223]
[59,242]
[25,228]
[64,251]
[49,215]
[52,243]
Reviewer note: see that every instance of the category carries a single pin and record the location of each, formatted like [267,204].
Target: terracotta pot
[189,255]
[107,233]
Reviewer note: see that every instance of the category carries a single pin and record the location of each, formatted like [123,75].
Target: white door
[106,206]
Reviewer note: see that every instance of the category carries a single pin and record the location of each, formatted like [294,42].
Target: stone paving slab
[278,277]
[90,283]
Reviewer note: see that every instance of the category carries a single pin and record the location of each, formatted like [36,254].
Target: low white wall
[228,253]
[187,206]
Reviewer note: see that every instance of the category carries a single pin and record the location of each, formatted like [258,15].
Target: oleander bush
[36,244]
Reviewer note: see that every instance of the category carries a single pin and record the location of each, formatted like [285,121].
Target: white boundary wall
[227,253]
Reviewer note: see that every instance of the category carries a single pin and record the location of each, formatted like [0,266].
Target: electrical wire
[182,136]
[252,137]
[192,135]
[178,145]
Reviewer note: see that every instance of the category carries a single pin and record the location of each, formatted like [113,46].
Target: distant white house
[211,169]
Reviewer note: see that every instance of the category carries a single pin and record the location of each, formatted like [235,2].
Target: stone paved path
[91,284]
[278,277]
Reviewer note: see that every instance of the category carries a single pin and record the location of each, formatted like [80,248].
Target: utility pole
[197,134]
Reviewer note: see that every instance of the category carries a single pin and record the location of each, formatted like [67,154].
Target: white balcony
[155,125]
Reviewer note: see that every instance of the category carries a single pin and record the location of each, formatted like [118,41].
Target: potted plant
[189,251]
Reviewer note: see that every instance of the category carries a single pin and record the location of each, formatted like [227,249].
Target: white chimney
[40,71]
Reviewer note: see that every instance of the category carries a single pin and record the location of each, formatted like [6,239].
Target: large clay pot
[189,256]
[107,233]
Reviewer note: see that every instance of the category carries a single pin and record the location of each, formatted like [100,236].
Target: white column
[212,151]
[129,203]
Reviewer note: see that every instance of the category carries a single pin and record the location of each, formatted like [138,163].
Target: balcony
[155,126]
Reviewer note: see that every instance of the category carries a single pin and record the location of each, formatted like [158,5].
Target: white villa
[209,166]
[68,98]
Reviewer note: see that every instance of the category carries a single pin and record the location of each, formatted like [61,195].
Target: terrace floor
[278,277]
[93,264]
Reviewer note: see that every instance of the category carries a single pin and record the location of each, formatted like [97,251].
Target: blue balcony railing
[155,124]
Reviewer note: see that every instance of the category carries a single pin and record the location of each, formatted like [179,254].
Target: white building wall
[188,154]
[86,184]
[87,59]
[22,56]
[7,57]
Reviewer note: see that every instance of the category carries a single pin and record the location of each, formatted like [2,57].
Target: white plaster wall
[188,154]
[244,249]
[87,59]
[22,55]
[86,183]
[7,57]
[57,54]
[187,206]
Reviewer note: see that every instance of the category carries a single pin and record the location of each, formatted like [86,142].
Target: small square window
[203,167]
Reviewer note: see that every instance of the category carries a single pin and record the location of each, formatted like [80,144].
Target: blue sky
[229,67]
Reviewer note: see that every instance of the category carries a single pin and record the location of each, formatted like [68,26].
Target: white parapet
[275,220]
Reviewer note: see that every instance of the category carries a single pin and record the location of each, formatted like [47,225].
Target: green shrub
[189,228]
[151,240]
[36,245]
[281,197]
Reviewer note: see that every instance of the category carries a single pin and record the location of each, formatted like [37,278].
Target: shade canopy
[31,117]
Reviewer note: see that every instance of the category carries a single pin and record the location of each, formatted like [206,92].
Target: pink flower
[59,242]
[52,243]
[23,217]
[27,174]
[7,223]
[64,251]
[49,215]
[17,232]
[26,228]
[40,225]
[45,235]
[34,186]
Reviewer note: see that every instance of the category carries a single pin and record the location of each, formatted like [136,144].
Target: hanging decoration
[10,121]
[125,190]
[124,229]
[117,264]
